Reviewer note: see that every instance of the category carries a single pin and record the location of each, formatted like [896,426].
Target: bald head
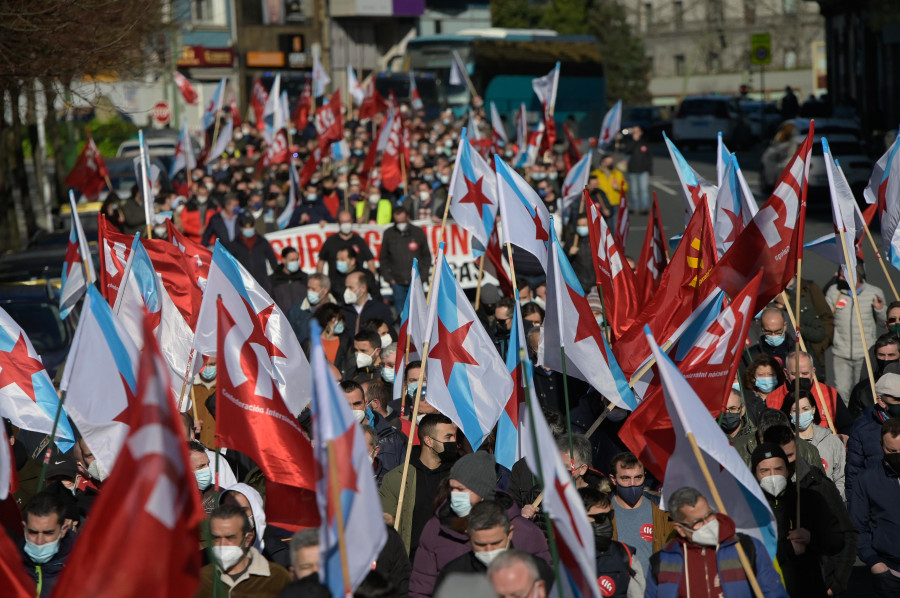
[772,321]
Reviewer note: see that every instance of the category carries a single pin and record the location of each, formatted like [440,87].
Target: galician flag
[473,192]
[612,124]
[78,267]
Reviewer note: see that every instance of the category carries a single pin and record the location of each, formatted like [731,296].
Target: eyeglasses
[733,409]
[694,525]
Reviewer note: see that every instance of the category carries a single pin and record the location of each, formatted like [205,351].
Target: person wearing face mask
[639,521]
[473,479]
[223,224]
[885,358]
[618,572]
[816,318]
[311,209]
[318,293]
[490,535]
[360,306]
[253,252]
[366,354]
[873,507]
[771,418]
[775,339]
[799,548]
[46,543]
[375,209]
[848,350]
[400,245]
[703,559]
[430,463]
[345,238]
[269,539]
[578,249]
[826,397]
[239,566]
[830,447]
[391,443]
[336,339]
[289,282]
[734,421]
[203,472]
[764,375]
[503,316]
[863,447]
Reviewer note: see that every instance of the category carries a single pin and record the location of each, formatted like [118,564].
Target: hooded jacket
[444,539]
[45,575]
[847,343]
[833,454]
[267,541]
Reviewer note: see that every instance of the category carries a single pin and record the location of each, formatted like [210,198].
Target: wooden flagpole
[862,333]
[881,261]
[480,276]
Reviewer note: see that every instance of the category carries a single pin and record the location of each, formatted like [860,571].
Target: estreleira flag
[27,396]
[523,216]
[253,309]
[149,503]
[78,265]
[773,241]
[734,208]
[353,86]
[319,75]
[415,99]
[273,115]
[508,446]
[215,104]
[412,329]
[844,212]
[100,379]
[467,379]
[473,193]
[614,276]
[612,124]
[187,90]
[345,486]
[89,173]
[184,152]
[570,330]
[457,69]
[574,183]
[737,486]
[545,88]
[498,130]
[694,187]
[253,418]
[653,257]
[571,527]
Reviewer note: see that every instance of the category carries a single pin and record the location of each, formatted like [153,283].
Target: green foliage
[626,68]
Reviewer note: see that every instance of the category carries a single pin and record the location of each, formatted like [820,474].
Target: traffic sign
[761,48]
[161,112]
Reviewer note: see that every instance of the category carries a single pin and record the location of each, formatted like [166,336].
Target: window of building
[680,67]
[790,59]
[713,63]
[208,12]
[679,14]
[790,7]
[650,70]
[750,11]
[715,11]
[648,16]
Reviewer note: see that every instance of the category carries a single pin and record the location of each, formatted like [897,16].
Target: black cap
[767,450]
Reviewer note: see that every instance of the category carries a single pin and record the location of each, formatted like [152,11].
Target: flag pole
[339,515]
[655,214]
[551,536]
[742,556]
[187,375]
[598,421]
[880,260]
[802,345]
[405,365]
[145,184]
[412,431]
[862,333]
[480,276]
[59,408]
[797,379]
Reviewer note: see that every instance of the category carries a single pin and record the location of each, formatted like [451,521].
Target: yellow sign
[761,48]
[265,59]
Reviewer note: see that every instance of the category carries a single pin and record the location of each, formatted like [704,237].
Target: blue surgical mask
[461,503]
[313,297]
[204,478]
[388,374]
[248,232]
[293,266]
[582,231]
[342,267]
[208,373]
[41,553]
[338,328]
[411,390]
[766,383]
[542,193]
[806,419]
[775,341]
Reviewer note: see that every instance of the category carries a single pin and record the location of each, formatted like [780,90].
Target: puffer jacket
[847,343]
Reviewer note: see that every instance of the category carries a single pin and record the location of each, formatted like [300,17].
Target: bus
[502,63]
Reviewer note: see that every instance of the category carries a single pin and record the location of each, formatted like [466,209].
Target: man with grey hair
[703,558]
[318,293]
[305,553]
[514,574]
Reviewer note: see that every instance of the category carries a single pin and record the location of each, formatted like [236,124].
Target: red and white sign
[647,532]
[308,241]
[161,112]
[607,586]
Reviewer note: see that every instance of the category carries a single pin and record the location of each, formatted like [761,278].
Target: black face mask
[893,461]
[892,410]
[448,454]
[843,285]
[603,531]
[883,363]
[730,422]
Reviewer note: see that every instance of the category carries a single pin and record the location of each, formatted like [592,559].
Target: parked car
[35,307]
[846,146]
[763,117]
[701,118]
[654,120]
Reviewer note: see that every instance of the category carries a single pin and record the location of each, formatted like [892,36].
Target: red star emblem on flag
[736,226]
[475,195]
[449,349]
[540,232]
[561,491]
[696,195]
[587,323]
[17,367]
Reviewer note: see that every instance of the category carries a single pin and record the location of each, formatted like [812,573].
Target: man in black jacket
[399,245]
[360,306]
[47,543]
[289,282]
[640,166]
[253,251]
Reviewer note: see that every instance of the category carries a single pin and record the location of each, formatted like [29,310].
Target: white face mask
[374,198]
[402,226]
[424,195]
[228,556]
[363,360]
[360,415]
[487,556]
[386,340]
[774,485]
[96,471]
[708,534]
[345,227]
[350,297]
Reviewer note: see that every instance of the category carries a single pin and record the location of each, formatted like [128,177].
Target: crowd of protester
[473,527]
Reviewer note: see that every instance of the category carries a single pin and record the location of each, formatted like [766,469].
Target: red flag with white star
[653,258]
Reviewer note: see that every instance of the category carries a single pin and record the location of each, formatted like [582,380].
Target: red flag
[372,103]
[652,260]
[773,241]
[494,264]
[89,173]
[623,221]
[187,90]
[572,154]
[391,167]
[620,302]
[276,152]
[868,214]
[235,113]
[329,121]
[252,417]
[709,365]
[681,290]
[304,107]
[15,579]
[258,99]
[145,525]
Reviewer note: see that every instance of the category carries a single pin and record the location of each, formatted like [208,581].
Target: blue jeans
[639,191]
[400,292]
